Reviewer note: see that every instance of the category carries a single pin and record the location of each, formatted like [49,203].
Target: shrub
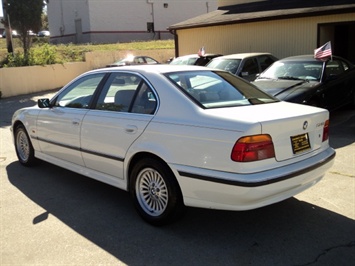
[73,53]
[14,60]
[44,55]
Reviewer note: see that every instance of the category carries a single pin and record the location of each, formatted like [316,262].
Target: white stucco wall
[23,80]
[120,20]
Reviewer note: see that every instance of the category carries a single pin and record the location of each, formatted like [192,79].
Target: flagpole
[331,54]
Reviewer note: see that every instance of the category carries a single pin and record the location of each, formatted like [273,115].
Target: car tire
[23,146]
[155,192]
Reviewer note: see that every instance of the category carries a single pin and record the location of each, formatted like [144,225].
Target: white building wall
[109,21]
[62,15]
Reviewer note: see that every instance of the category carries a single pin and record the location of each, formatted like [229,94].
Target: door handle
[131,129]
[75,122]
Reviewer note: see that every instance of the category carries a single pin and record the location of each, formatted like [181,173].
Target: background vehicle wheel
[24,148]
[155,192]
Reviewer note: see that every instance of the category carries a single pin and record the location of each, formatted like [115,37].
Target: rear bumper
[230,191]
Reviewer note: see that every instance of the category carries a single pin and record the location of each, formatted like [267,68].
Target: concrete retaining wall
[23,80]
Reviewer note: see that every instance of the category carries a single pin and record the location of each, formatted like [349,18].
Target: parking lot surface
[51,216]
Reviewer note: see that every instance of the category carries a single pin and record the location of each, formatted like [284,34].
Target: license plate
[300,143]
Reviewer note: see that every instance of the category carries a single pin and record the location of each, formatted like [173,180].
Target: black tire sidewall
[175,203]
[31,158]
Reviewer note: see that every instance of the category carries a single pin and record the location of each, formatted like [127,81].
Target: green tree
[44,21]
[25,16]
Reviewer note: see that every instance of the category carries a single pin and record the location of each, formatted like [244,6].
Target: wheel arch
[141,155]
[15,125]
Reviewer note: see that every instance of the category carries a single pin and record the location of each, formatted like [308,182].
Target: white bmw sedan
[176,136]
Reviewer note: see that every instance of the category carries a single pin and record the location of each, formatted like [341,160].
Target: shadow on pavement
[9,105]
[287,233]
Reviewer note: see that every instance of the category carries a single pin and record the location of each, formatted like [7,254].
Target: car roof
[300,58]
[240,55]
[196,55]
[188,56]
[158,68]
[307,57]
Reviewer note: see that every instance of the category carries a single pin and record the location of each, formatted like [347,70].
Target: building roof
[266,10]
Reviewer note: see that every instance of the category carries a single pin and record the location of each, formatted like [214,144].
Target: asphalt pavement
[51,216]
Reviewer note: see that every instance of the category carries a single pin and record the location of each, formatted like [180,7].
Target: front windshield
[218,89]
[294,70]
[184,61]
[230,65]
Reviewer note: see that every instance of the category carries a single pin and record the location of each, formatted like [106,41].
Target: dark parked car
[245,65]
[303,79]
[194,59]
[135,60]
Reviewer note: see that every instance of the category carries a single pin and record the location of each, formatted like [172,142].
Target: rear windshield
[184,61]
[230,65]
[215,89]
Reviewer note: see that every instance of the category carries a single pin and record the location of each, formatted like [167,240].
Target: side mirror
[43,103]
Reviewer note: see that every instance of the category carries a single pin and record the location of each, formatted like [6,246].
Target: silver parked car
[245,65]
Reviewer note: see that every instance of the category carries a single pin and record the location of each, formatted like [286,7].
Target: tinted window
[202,61]
[345,65]
[265,61]
[334,68]
[250,67]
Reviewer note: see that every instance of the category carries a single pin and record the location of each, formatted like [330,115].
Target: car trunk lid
[296,131]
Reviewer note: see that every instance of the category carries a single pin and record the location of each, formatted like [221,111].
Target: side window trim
[98,91]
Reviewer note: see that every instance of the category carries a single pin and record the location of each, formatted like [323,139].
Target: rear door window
[125,92]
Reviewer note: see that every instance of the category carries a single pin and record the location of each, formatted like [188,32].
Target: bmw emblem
[305,125]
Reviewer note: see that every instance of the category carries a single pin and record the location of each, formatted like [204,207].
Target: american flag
[323,51]
[201,52]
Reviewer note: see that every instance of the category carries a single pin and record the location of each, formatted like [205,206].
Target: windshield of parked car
[230,65]
[184,60]
[218,89]
[294,70]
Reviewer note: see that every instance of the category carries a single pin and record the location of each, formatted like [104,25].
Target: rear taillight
[253,148]
[326,131]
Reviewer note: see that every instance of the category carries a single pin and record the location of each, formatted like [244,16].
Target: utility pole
[8,29]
